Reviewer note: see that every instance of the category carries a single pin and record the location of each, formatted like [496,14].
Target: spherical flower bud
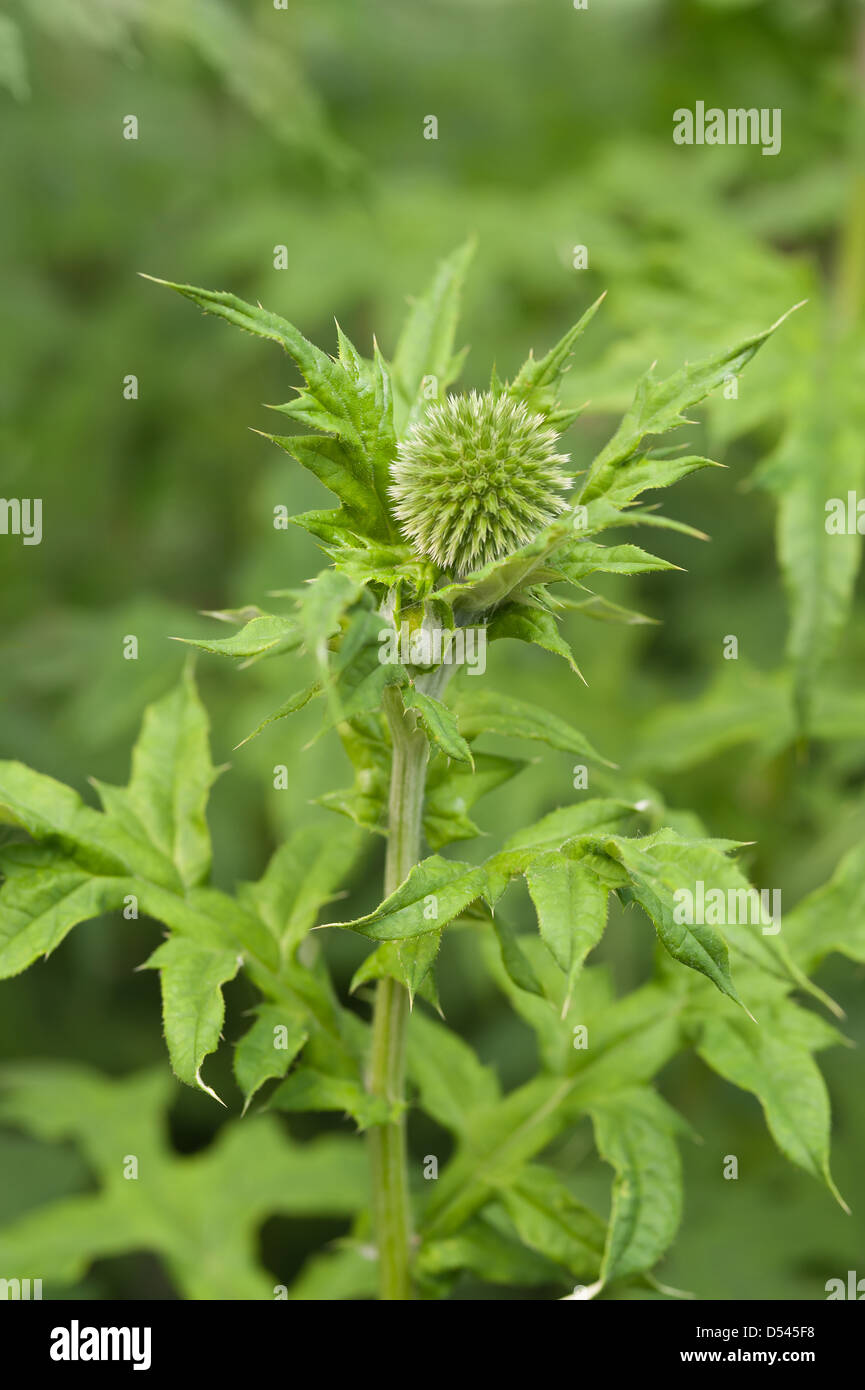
[475,479]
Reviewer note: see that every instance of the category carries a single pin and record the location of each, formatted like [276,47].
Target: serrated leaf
[648,472]
[335,531]
[38,910]
[786,1081]
[426,344]
[322,606]
[578,561]
[46,894]
[488,712]
[549,1219]
[210,918]
[268,1048]
[302,875]
[603,610]
[348,397]
[172,773]
[193,1010]
[819,566]
[645,516]
[435,892]
[269,635]
[653,884]
[538,381]
[407,962]
[635,1134]
[631,1040]
[453,790]
[328,459]
[238,617]
[683,863]
[485,1252]
[298,701]
[391,567]
[658,406]
[308,1089]
[569,822]
[532,626]
[54,813]
[516,961]
[439,723]
[572,912]
[360,674]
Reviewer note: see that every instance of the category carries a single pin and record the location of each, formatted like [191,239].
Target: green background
[303,128]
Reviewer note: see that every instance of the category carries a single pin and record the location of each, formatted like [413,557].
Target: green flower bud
[475,479]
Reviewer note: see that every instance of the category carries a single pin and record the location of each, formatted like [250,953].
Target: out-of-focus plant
[260,77]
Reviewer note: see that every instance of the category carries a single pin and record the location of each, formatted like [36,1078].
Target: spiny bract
[475,479]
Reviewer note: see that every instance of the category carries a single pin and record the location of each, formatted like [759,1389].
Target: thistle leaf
[436,891]
[578,561]
[268,1048]
[348,398]
[488,712]
[303,874]
[267,635]
[538,381]
[425,348]
[408,962]
[452,791]
[635,1134]
[785,1080]
[658,405]
[193,1011]
[440,724]
[533,626]
[653,884]
[633,1039]
[298,701]
[308,1089]
[549,1219]
[572,912]
[554,830]
[170,782]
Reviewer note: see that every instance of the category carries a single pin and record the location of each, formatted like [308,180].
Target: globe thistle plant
[475,479]
[450,515]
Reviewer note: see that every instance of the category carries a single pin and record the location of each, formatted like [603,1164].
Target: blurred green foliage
[304,128]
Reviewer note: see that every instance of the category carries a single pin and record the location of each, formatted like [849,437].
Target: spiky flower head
[475,479]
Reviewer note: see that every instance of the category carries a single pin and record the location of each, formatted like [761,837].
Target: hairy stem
[390,1194]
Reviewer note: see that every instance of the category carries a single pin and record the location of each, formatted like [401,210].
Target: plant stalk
[387,1143]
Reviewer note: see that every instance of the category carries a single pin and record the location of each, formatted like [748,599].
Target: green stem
[387,1144]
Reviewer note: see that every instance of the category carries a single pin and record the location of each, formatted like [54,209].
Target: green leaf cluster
[503,1209]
